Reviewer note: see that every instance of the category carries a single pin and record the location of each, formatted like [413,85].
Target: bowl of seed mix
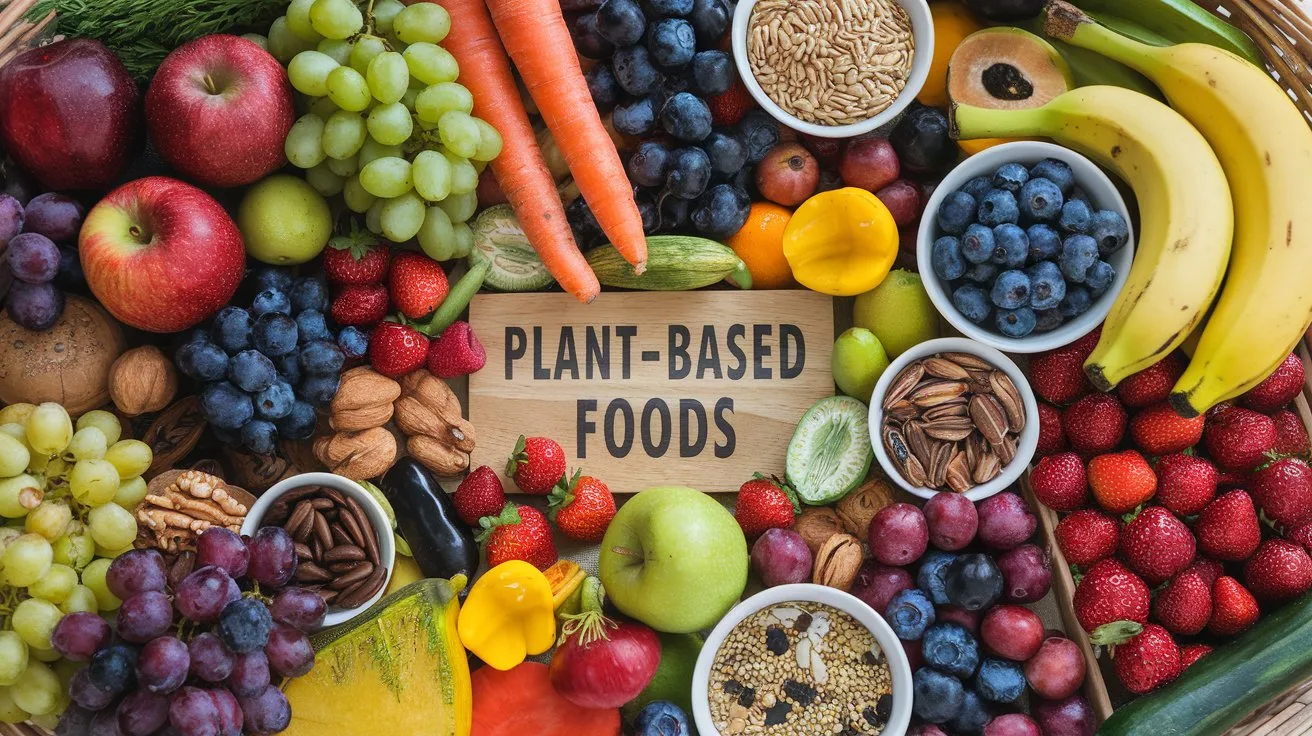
[802,660]
[833,68]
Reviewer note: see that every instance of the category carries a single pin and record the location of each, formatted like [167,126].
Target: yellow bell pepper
[841,242]
[509,615]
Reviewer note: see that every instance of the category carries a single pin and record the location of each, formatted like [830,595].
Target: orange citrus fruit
[761,246]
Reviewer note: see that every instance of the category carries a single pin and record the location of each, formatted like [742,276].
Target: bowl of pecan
[344,544]
[953,415]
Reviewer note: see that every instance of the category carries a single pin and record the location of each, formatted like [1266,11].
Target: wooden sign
[647,389]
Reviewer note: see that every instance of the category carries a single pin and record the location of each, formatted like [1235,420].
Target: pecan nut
[838,562]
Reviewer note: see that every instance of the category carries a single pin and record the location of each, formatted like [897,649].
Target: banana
[1184,203]
[1265,146]
[1180,21]
[1089,68]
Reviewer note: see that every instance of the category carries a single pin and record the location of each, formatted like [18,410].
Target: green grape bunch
[384,122]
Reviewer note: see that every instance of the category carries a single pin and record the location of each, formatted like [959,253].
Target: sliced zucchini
[515,265]
[830,452]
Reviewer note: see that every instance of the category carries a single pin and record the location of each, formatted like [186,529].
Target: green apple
[673,674]
[674,559]
[284,221]
[858,362]
[898,311]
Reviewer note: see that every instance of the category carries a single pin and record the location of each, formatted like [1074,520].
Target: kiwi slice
[830,452]
[515,265]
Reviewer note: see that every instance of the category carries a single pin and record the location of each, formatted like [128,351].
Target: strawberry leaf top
[518,456]
[359,242]
[562,495]
[784,486]
[509,516]
[1116,632]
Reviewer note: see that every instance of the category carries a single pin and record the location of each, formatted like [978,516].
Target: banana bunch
[1264,146]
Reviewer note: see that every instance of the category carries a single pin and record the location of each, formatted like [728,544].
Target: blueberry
[634,70]
[977,243]
[1057,172]
[269,301]
[973,716]
[1099,278]
[319,389]
[974,582]
[690,172]
[713,72]
[1010,177]
[1045,243]
[587,40]
[1078,194]
[1110,230]
[1047,287]
[649,210]
[672,42]
[1077,301]
[299,422]
[937,696]
[1000,680]
[202,360]
[709,18]
[721,212]
[977,187]
[727,152]
[649,164]
[930,577]
[252,371]
[244,625]
[760,132]
[260,437]
[922,141]
[661,718]
[311,325]
[114,668]
[1047,320]
[587,231]
[636,118]
[1076,217]
[1040,200]
[1011,290]
[1011,246]
[309,293]
[226,406]
[981,273]
[972,302]
[322,357]
[621,22]
[275,402]
[956,213]
[274,334]
[947,260]
[272,277]
[602,86]
[997,207]
[910,612]
[949,647]
[289,367]
[666,8]
[1016,322]
[686,117]
[354,342]
[1078,254]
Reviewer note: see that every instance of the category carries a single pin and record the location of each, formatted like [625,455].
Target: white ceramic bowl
[922,32]
[1102,194]
[1027,443]
[898,665]
[377,518]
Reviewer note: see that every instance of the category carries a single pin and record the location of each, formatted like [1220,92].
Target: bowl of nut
[833,68]
[798,659]
[953,415]
[344,545]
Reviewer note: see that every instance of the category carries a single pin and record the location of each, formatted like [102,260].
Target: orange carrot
[520,169]
[535,35]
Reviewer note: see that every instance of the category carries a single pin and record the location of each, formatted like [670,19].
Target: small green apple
[858,362]
[284,221]
[674,559]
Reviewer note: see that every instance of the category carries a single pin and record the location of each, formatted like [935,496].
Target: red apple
[68,114]
[870,164]
[160,254]
[788,175]
[219,109]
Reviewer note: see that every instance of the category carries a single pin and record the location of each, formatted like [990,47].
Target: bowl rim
[1028,441]
[377,517]
[898,664]
[922,30]
[1088,176]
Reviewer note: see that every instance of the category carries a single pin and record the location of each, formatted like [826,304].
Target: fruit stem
[968,121]
[590,626]
[1068,23]
[626,552]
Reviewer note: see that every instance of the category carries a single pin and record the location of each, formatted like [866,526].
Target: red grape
[35,306]
[898,534]
[192,712]
[289,652]
[266,712]
[105,723]
[1012,724]
[952,521]
[211,660]
[85,693]
[1005,521]
[1057,669]
[144,616]
[781,557]
[56,216]
[223,549]
[142,713]
[1069,717]
[273,557]
[11,217]
[201,596]
[230,715]
[163,664]
[78,635]
[303,609]
[876,584]
[1026,574]
[1014,632]
[135,571]
[250,674]
[33,258]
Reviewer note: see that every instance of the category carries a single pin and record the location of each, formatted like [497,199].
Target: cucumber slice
[830,452]
[515,265]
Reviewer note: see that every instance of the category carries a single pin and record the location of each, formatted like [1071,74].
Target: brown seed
[365,590]
[968,361]
[950,429]
[316,548]
[896,445]
[353,576]
[353,530]
[321,532]
[344,567]
[343,553]
[958,473]
[1006,450]
[327,594]
[321,504]
[1005,391]
[954,408]
[914,472]
[938,466]
[917,441]
[308,572]
[303,552]
[370,541]
[300,515]
[989,419]
[937,392]
[335,496]
[902,409]
[340,536]
[987,468]
[907,380]
[944,368]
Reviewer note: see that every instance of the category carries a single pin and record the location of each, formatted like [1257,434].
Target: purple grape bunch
[202,659]
[39,256]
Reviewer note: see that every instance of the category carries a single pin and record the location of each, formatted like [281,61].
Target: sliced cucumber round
[515,265]
[830,452]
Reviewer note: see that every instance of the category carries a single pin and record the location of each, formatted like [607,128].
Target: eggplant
[442,545]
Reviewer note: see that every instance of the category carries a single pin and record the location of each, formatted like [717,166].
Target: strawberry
[582,507]
[1121,481]
[518,533]
[1277,389]
[1153,384]
[360,305]
[764,503]
[1291,435]
[1158,430]
[1283,490]
[537,464]
[1087,535]
[1184,605]
[1210,570]
[1239,439]
[1192,653]
[395,349]
[1108,593]
[358,259]
[1185,483]
[1051,437]
[1157,545]
[1234,609]
[479,494]
[1278,570]
[1058,375]
[1094,424]
[1059,482]
[417,284]
[1148,661]
[728,108]
[1302,535]
[1227,529]
[456,352]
